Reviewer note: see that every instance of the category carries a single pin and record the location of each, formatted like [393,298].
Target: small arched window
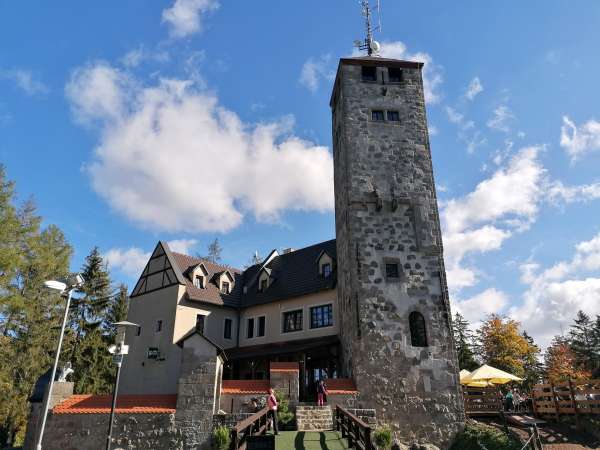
[418,332]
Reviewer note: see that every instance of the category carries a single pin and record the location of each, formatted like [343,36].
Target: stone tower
[393,300]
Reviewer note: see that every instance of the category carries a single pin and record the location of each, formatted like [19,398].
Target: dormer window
[325,264]
[199,276]
[225,287]
[326,270]
[199,281]
[264,284]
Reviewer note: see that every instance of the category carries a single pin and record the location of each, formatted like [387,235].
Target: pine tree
[531,363]
[581,340]
[117,310]
[88,346]
[463,339]
[596,340]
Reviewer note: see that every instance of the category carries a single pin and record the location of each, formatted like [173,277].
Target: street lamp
[118,350]
[66,290]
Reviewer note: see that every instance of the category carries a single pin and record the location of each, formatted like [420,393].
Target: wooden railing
[482,401]
[567,398]
[252,426]
[355,430]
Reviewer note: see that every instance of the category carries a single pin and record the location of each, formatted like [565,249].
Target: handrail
[256,424]
[354,429]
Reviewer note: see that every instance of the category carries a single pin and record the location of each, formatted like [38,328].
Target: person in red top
[321,393]
[272,405]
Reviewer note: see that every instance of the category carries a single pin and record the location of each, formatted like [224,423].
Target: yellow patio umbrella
[464,373]
[489,374]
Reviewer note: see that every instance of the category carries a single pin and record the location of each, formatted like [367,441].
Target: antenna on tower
[369,44]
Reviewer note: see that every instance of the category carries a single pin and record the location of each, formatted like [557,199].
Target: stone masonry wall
[386,211]
[287,383]
[131,431]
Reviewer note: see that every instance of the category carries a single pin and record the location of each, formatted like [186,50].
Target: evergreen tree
[88,348]
[581,341]
[117,310]
[463,339]
[531,363]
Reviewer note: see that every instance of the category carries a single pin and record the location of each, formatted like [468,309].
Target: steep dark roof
[292,274]
[211,293]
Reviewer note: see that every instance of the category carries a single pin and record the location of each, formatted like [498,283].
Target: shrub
[383,438]
[284,414]
[221,438]
[477,435]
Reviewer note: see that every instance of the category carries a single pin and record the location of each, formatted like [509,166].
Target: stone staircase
[314,418]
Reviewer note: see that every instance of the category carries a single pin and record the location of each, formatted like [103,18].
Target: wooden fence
[567,398]
[355,430]
[482,401]
[254,425]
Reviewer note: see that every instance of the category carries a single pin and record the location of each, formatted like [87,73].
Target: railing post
[350,437]
[368,443]
[234,439]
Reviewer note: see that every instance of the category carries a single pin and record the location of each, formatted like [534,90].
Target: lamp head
[55,285]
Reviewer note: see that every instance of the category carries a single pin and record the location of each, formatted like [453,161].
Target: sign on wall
[153,353]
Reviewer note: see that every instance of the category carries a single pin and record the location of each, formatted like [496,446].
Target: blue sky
[130,122]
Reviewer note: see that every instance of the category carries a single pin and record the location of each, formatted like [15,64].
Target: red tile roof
[126,404]
[284,367]
[242,387]
[340,386]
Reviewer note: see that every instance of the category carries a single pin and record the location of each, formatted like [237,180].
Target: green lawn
[310,440]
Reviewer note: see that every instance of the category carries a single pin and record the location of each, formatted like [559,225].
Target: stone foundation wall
[287,383]
[236,403]
[346,401]
[131,432]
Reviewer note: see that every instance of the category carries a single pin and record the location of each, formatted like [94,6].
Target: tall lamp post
[66,290]
[118,350]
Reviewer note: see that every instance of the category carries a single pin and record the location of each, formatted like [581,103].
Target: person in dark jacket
[321,393]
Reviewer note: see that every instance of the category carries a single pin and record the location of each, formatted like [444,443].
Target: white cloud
[131,261]
[477,308]
[467,132]
[184,17]
[313,71]
[501,119]
[182,245]
[25,81]
[137,56]
[504,203]
[475,87]
[556,294]
[432,73]
[171,158]
[558,192]
[578,141]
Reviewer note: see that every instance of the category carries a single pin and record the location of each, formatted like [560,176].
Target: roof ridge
[205,260]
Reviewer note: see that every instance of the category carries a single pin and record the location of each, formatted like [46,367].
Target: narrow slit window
[369,73]
[138,331]
[227,329]
[377,115]
[391,270]
[418,332]
[393,116]
[200,323]
[159,324]
[394,75]
[250,329]
[261,327]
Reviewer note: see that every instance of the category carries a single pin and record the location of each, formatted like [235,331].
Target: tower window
[377,115]
[418,332]
[227,329]
[391,270]
[369,73]
[138,331]
[200,323]
[159,324]
[394,75]
[250,328]
[393,116]
[261,327]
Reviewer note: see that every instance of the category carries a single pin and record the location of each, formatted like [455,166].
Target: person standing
[321,393]
[509,400]
[272,404]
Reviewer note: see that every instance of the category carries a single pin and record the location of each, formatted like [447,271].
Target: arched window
[418,332]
